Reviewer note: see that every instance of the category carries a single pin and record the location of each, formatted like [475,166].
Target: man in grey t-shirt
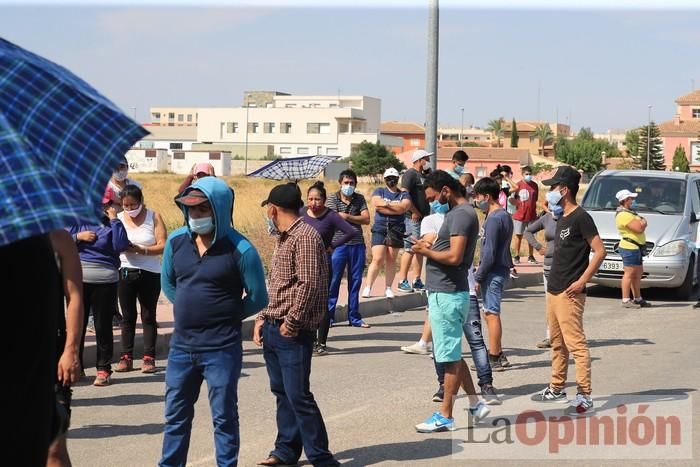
[448,295]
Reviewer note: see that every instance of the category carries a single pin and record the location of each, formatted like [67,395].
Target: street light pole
[431,105]
[245,164]
[648,137]
[461,128]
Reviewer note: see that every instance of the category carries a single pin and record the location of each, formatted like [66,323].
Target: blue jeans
[352,256]
[299,421]
[475,339]
[183,379]
[492,292]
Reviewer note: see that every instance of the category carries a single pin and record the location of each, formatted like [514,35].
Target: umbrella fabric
[60,139]
[293,168]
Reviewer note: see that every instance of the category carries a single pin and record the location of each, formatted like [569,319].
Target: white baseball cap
[624,194]
[419,154]
[391,172]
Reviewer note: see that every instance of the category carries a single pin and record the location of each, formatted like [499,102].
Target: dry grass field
[248,216]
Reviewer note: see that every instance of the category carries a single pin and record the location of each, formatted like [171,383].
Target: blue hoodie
[207,291]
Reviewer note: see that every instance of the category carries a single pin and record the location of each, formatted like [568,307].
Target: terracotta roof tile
[401,127]
[520,156]
[692,98]
[686,127]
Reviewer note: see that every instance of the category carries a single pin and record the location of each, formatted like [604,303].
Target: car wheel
[685,291]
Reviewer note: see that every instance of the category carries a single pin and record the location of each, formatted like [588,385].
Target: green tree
[514,137]
[584,151]
[632,142]
[652,146]
[372,159]
[541,167]
[680,160]
[496,127]
[544,134]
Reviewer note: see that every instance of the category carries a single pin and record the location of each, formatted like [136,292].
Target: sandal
[276,461]
[362,325]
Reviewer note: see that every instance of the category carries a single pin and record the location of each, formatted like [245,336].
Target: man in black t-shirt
[576,235]
[412,182]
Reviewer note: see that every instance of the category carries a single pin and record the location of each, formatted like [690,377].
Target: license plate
[611,266]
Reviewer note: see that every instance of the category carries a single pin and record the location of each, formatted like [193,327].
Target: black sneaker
[516,259]
[504,361]
[531,260]
[488,392]
[320,351]
[495,362]
[440,394]
[642,303]
[514,273]
[550,395]
[697,305]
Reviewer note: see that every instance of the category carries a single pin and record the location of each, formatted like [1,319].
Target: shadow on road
[111,431]
[403,453]
[119,401]
[616,342]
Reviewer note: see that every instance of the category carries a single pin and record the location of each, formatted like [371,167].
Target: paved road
[371,394]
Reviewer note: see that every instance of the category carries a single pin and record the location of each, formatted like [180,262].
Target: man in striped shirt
[298,291]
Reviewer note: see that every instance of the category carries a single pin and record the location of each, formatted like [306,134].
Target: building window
[285,150]
[155,115]
[175,145]
[231,127]
[189,117]
[332,105]
[285,127]
[318,128]
[302,150]
[268,127]
[180,118]
[146,144]
[253,127]
[171,115]
[695,152]
[481,172]
[415,142]
[289,106]
[332,151]
[343,127]
[696,113]
[532,139]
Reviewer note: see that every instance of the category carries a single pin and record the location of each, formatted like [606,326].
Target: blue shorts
[492,292]
[631,257]
[448,311]
[391,239]
[413,230]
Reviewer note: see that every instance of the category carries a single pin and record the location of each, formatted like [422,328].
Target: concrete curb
[368,308]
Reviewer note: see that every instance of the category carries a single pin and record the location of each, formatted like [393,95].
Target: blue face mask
[634,205]
[528,178]
[271,229]
[439,208]
[483,205]
[347,190]
[459,169]
[553,197]
[556,210]
[201,226]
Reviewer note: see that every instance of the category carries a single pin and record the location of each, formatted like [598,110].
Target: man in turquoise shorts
[448,295]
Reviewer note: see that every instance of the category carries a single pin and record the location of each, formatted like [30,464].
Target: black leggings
[144,288]
[29,333]
[101,300]
[324,326]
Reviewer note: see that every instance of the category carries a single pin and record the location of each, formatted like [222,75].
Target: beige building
[174,116]
[170,138]
[470,135]
[528,140]
[291,125]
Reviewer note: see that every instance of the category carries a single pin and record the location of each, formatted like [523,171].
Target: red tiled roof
[401,127]
[692,98]
[684,128]
[520,156]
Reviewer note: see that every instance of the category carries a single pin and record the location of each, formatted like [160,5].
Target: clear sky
[599,68]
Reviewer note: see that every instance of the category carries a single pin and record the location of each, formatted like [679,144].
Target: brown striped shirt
[298,279]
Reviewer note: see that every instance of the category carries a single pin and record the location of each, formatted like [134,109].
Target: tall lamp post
[461,128]
[648,137]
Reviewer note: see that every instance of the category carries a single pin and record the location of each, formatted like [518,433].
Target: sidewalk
[529,275]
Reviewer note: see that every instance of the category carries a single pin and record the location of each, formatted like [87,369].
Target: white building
[170,138]
[471,134]
[287,125]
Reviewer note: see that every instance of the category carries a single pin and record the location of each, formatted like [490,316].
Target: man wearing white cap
[632,245]
[412,183]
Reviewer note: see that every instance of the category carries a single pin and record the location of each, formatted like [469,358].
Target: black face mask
[391,183]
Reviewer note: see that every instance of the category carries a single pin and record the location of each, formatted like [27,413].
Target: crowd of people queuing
[214,277]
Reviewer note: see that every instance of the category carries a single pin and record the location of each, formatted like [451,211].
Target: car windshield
[655,194]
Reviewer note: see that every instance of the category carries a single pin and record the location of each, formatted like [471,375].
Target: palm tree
[545,135]
[496,127]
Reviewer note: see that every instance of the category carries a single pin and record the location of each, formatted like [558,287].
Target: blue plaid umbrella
[60,139]
[293,168]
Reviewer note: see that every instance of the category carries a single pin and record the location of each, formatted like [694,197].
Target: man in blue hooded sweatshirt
[207,267]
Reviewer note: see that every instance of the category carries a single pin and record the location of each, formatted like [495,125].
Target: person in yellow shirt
[631,227]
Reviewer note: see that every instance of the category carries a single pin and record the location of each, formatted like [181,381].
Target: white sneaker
[366,292]
[388,293]
[416,349]
[479,411]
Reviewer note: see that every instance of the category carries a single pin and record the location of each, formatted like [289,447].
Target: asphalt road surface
[372,395]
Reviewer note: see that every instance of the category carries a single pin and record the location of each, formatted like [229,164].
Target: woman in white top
[139,277]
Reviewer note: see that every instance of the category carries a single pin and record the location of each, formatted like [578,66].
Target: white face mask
[121,175]
[135,212]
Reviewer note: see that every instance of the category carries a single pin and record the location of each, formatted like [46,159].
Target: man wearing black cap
[298,289]
[215,279]
[576,235]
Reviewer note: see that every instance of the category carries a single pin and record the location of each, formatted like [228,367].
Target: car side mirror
[693,217]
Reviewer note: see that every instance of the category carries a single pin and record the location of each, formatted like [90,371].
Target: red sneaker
[125,364]
[103,378]
[149,365]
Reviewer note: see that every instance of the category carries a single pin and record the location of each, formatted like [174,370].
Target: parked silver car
[670,201]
